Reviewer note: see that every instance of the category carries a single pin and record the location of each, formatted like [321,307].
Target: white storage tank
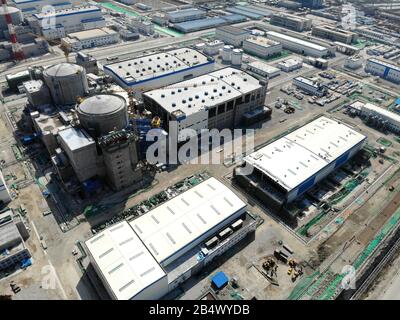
[66,82]
[237,57]
[227,53]
[103,113]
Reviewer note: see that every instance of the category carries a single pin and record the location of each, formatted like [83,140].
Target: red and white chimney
[16,47]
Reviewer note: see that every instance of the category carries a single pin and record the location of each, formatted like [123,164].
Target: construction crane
[18,54]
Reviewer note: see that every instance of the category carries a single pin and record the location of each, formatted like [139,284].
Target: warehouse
[309,86]
[291,165]
[208,23]
[232,35]
[391,119]
[216,100]
[334,34]
[297,45]
[79,18]
[263,69]
[160,69]
[89,39]
[383,69]
[151,255]
[262,47]
[290,65]
[291,21]
[185,15]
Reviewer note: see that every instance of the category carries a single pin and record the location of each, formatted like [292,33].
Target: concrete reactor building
[288,167]
[67,82]
[103,113]
[153,254]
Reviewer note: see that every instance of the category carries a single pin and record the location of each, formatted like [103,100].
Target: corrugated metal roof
[196,25]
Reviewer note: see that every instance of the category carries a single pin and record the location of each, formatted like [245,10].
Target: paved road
[393,290]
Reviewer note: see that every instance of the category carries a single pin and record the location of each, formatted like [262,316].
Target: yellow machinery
[156,122]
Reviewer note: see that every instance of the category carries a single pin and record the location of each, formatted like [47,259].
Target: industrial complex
[199,150]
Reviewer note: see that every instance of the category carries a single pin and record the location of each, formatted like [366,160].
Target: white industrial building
[89,39]
[353,62]
[263,69]
[216,100]
[159,69]
[212,48]
[151,255]
[291,165]
[291,21]
[232,35]
[334,34]
[142,26]
[4,192]
[35,6]
[183,15]
[309,86]
[297,45]
[67,21]
[262,47]
[392,119]
[383,69]
[290,64]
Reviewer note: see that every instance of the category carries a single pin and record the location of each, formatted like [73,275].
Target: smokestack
[16,47]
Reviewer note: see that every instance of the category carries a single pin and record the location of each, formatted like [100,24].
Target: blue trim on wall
[342,159]
[318,172]
[306,185]
[69,14]
[134,83]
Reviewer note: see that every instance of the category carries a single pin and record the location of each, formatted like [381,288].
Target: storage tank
[227,53]
[66,82]
[237,57]
[103,113]
[16,17]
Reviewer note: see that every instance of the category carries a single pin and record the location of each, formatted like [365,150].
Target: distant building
[290,65]
[29,7]
[142,26]
[334,34]
[312,4]
[309,86]
[232,35]
[262,47]
[12,235]
[383,69]
[263,69]
[89,39]
[291,21]
[298,45]
[185,15]
[79,18]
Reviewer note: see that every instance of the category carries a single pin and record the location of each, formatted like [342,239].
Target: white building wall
[261,50]
[4,192]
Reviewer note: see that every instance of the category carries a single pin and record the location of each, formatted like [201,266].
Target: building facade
[383,69]
[291,21]
[334,34]
[89,39]
[262,47]
[232,35]
[216,100]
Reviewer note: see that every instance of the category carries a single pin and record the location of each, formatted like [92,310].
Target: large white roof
[369,107]
[208,90]
[155,65]
[124,261]
[284,37]
[178,223]
[299,155]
